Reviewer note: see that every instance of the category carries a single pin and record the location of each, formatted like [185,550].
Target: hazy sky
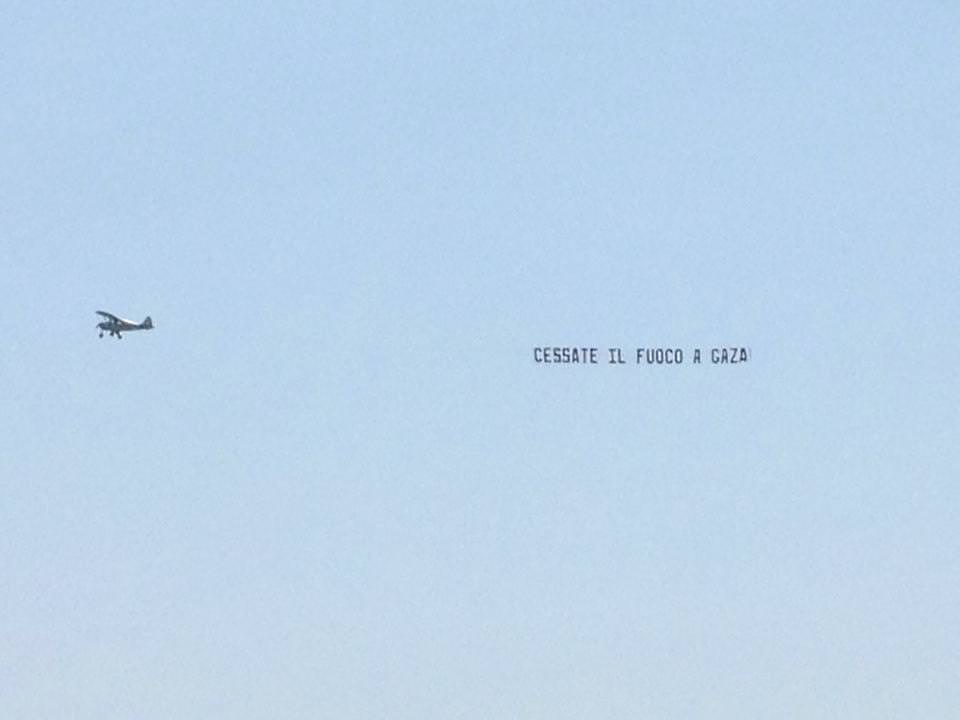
[333,482]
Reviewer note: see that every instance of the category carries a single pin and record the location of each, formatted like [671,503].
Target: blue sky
[332,482]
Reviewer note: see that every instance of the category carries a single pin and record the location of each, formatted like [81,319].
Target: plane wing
[107,315]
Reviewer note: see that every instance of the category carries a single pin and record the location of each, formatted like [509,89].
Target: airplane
[114,325]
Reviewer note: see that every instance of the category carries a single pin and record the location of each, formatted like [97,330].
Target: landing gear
[119,336]
[101,334]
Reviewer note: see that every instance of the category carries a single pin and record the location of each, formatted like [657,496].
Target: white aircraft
[114,325]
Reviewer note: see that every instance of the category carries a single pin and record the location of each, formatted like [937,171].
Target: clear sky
[333,482]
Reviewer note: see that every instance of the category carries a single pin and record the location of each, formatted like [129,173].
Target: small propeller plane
[114,324]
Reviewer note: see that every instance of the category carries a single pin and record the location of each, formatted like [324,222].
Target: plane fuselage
[122,326]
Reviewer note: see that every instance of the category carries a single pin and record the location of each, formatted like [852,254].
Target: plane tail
[148,323]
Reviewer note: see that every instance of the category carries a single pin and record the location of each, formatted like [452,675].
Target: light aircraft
[114,325]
